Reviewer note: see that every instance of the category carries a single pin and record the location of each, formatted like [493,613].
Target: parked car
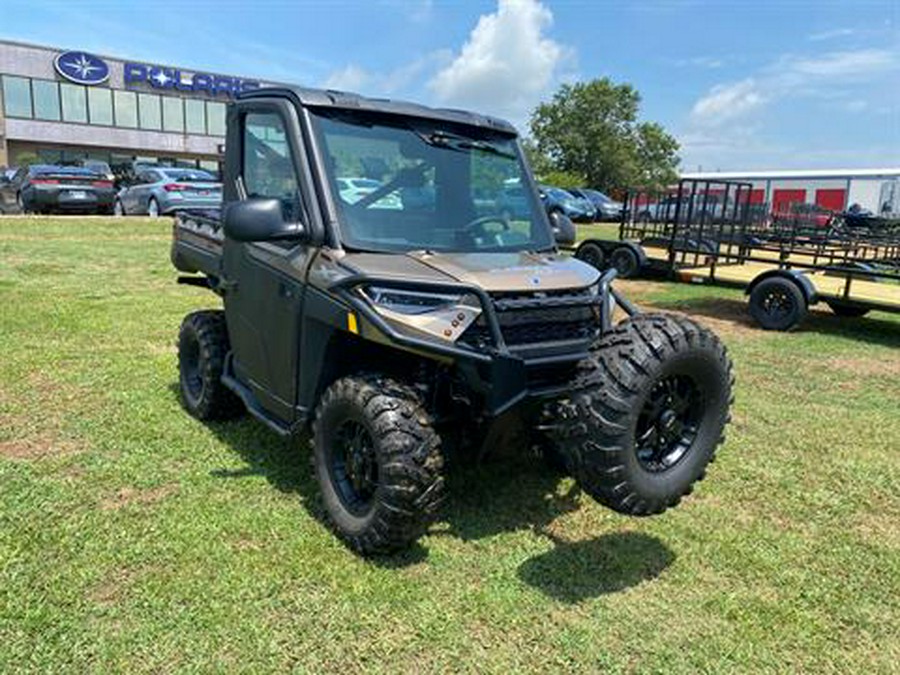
[50,188]
[97,166]
[161,190]
[557,200]
[606,207]
[7,194]
[354,189]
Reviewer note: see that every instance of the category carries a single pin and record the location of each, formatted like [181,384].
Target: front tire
[118,208]
[592,254]
[202,347]
[646,415]
[378,462]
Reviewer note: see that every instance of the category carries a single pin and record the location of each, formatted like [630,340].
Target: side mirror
[259,219]
[563,229]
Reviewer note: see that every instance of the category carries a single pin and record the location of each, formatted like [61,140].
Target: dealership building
[61,105]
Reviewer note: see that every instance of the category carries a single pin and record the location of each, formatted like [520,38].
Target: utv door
[265,280]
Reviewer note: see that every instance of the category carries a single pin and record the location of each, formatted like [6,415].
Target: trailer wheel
[646,413]
[778,304]
[847,311]
[378,461]
[592,254]
[625,261]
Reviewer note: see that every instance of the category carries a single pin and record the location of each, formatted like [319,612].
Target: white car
[354,189]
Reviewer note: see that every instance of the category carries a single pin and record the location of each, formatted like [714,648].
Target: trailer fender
[806,286]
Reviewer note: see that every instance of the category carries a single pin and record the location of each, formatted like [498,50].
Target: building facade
[877,190]
[59,105]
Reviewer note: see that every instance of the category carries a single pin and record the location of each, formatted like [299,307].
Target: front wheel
[118,208]
[646,413]
[378,462]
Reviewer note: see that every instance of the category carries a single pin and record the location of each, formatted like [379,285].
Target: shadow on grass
[576,571]
[500,494]
[869,328]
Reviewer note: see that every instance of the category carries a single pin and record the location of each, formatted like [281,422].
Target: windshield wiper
[444,139]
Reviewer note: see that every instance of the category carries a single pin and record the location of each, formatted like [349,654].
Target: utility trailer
[705,231]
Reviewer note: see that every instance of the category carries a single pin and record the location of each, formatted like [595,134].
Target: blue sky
[762,84]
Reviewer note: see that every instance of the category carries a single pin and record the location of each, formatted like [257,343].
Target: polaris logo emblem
[82,68]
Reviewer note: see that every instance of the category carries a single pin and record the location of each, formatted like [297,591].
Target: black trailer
[705,231]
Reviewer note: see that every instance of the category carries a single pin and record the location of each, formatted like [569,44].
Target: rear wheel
[592,254]
[153,208]
[626,262]
[778,304]
[202,347]
[378,462]
[118,208]
[646,415]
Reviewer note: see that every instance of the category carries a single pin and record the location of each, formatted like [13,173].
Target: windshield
[404,184]
[187,175]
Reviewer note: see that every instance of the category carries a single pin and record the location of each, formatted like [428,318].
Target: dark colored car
[606,207]
[557,200]
[161,190]
[49,188]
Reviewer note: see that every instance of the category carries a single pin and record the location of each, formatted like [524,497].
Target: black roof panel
[328,98]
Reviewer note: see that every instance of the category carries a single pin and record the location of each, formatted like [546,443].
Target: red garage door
[757,196]
[782,199]
[833,200]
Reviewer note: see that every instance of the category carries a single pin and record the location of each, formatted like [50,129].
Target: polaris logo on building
[159,77]
[81,68]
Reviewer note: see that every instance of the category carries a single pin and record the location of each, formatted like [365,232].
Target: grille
[527,319]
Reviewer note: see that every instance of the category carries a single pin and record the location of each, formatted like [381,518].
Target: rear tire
[592,254]
[153,208]
[202,347]
[778,304]
[625,261]
[378,462]
[646,415]
[118,208]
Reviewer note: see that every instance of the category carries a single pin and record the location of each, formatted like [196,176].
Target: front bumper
[505,375]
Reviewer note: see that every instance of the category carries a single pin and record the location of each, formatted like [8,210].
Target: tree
[591,129]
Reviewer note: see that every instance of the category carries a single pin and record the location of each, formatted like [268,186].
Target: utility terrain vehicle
[410,323]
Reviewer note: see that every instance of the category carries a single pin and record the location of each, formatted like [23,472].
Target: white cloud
[861,62]
[728,101]
[348,78]
[831,34]
[506,65]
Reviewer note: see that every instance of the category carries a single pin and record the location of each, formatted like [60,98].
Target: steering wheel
[481,221]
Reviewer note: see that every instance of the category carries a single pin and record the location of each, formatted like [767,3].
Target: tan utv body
[383,297]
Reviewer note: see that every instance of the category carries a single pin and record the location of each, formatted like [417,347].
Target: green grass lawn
[135,539]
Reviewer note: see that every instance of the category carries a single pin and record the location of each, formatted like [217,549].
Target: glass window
[74,102]
[268,170]
[151,117]
[126,109]
[17,96]
[195,116]
[46,100]
[100,105]
[215,116]
[173,113]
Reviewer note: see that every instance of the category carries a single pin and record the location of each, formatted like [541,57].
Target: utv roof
[328,98]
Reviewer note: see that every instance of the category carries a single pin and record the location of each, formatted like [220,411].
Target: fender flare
[806,286]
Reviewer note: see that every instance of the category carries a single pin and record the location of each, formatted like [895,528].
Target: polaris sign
[82,68]
[160,77]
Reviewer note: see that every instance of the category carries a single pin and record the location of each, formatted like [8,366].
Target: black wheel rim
[354,466]
[190,368]
[668,423]
[778,303]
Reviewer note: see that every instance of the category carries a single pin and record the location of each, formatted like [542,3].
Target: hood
[494,272]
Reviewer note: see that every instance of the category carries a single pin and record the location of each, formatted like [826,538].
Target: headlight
[410,302]
[445,316]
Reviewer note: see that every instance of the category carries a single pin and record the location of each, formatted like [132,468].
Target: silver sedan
[160,190]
